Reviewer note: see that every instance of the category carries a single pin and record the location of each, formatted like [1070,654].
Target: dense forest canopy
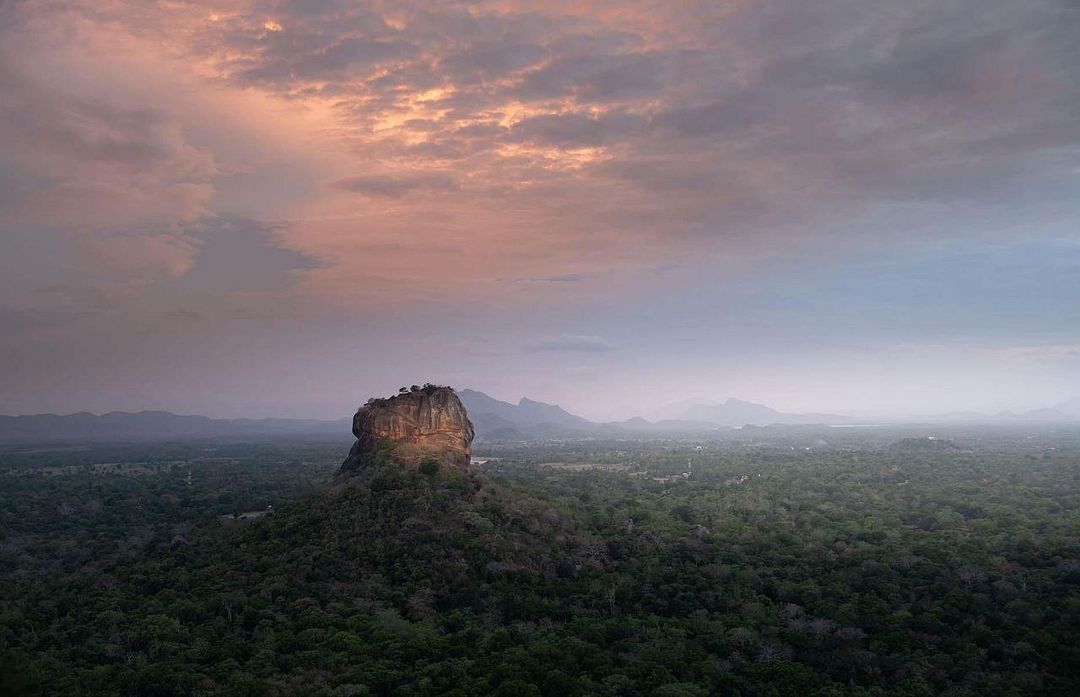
[560,569]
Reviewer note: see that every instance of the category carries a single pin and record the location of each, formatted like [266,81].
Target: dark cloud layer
[856,102]
[719,119]
[395,186]
[281,160]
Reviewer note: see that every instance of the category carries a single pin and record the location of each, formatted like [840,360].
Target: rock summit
[417,425]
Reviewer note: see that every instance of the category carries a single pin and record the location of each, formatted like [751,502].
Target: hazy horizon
[258,209]
[655,413]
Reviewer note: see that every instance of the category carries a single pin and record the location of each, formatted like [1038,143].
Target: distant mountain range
[498,420]
[1065,411]
[493,419]
[120,426]
[736,412]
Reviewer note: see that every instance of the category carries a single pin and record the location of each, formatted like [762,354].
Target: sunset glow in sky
[281,208]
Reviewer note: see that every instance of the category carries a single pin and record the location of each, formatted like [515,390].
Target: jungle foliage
[770,571]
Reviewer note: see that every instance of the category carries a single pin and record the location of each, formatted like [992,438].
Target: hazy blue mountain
[494,420]
[1047,414]
[640,426]
[539,412]
[1064,412]
[156,425]
[498,420]
[1070,407]
[676,410]
[736,412]
[478,403]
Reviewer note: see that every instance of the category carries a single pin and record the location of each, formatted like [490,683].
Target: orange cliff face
[424,424]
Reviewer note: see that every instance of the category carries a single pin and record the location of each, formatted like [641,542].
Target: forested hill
[369,578]
[768,573]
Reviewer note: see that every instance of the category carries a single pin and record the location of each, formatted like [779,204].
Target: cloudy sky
[280,208]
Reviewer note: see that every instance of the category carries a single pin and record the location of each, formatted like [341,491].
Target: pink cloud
[426,150]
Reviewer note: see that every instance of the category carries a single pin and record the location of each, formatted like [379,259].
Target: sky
[280,208]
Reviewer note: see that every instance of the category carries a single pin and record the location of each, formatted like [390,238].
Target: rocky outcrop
[419,425]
